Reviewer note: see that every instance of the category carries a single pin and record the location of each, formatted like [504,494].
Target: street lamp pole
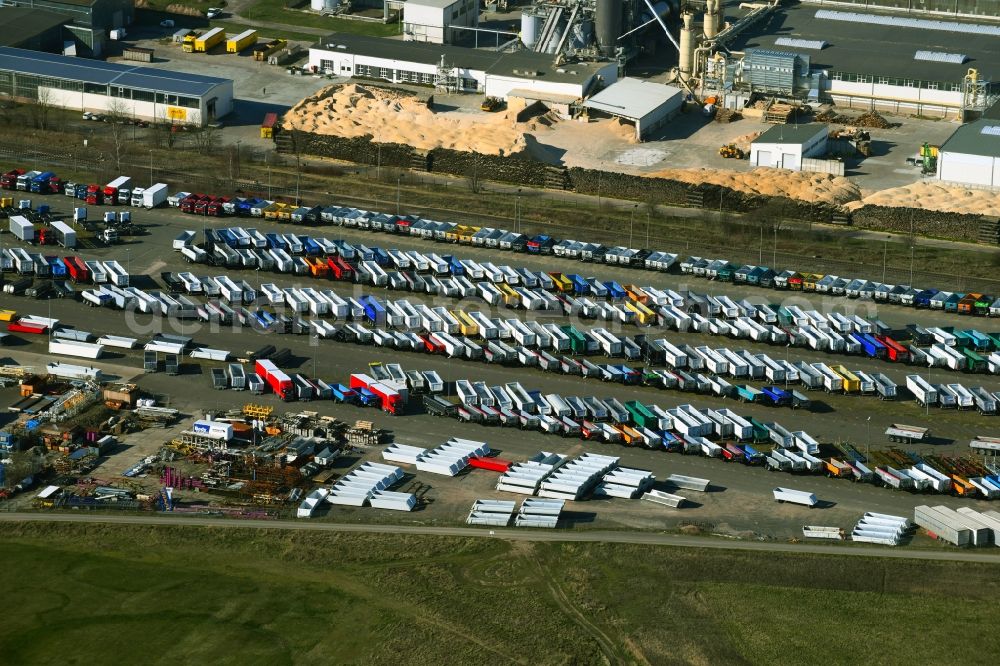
[398,177]
[911,265]
[885,255]
[151,167]
[868,444]
[631,220]
[647,228]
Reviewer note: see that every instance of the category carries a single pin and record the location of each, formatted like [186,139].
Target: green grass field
[277,12]
[143,594]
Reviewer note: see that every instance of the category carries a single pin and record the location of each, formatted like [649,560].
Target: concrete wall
[969,169]
[500,86]
[776,155]
[658,117]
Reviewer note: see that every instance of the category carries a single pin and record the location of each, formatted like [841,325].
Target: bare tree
[206,139]
[40,108]
[8,109]
[117,115]
[473,178]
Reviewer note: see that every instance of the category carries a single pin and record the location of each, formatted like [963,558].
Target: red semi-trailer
[77,270]
[279,382]
[393,401]
[27,327]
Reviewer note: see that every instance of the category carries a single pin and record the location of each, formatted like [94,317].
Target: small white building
[785,146]
[971,156]
[438,21]
[645,104]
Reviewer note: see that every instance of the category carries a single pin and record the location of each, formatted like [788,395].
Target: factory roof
[441,4]
[99,72]
[75,3]
[19,24]
[633,98]
[792,134]
[981,137]
[522,64]
[862,48]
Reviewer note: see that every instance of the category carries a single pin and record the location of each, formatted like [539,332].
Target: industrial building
[459,69]
[33,29]
[438,21]
[90,21]
[645,104]
[916,62]
[786,146]
[899,63]
[971,156]
[142,93]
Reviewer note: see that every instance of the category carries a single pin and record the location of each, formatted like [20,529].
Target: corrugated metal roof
[101,73]
[790,134]
[861,48]
[970,139]
[633,98]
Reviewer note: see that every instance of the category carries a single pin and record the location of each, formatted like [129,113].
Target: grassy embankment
[102,593]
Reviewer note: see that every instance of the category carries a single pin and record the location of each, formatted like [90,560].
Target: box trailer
[209,40]
[22,228]
[64,234]
[154,196]
[242,41]
[75,348]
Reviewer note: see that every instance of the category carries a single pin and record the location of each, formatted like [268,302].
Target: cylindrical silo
[687,45]
[317,5]
[530,25]
[608,24]
[711,19]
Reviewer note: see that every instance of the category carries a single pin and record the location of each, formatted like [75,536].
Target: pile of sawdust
[800,186]
[935,196]
[392,117]
[744,140]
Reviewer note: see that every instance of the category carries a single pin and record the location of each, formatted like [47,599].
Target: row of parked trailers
[17,260]
[967,350]
[720,433]
[502,239]
[716,269]
[959,302]
[952,395]
[961,527]
[440,331]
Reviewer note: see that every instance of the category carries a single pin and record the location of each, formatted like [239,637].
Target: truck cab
[109,236]
[95,195]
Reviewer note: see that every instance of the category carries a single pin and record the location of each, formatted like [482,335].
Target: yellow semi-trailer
[209,40]
[242,41]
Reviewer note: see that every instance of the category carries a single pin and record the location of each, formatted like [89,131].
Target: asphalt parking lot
[834,417]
